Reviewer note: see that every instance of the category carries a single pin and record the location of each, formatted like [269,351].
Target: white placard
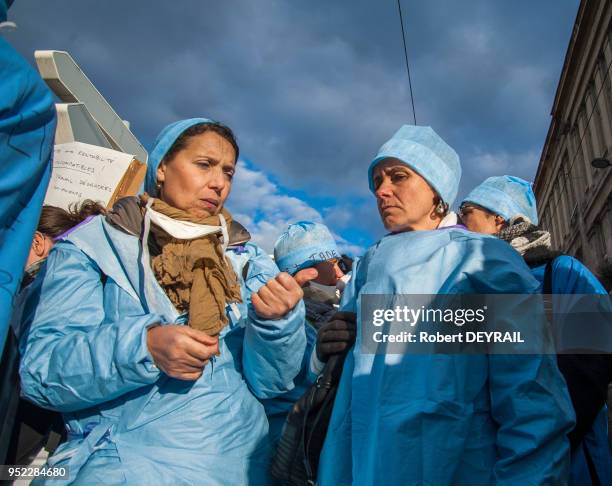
[82,171]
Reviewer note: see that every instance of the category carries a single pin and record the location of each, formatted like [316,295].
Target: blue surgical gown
[278,408]
[27,128]
[445,419]
[86,356]
[569,276]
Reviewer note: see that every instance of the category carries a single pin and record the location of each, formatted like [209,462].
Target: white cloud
[259,204]
[263,209]
[340,216]
[473,38]
[487,164]
[482,164]
[347,248]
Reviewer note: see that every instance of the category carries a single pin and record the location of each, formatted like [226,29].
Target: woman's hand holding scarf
[180,351]
[281,294]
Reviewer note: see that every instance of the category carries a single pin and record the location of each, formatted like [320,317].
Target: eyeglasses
[465,209]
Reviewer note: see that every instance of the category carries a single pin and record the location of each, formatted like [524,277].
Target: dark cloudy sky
[312,89]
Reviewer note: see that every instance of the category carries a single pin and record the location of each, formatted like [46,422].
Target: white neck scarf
[185,230]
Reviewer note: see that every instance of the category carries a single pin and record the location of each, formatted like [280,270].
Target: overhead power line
[399,8]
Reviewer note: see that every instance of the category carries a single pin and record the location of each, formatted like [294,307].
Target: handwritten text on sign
[82,171]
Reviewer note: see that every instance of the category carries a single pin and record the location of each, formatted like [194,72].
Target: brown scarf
[195,274]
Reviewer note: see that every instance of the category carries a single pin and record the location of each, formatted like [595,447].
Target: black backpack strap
[565,362]
[591,466]
[548,271]
[547,290]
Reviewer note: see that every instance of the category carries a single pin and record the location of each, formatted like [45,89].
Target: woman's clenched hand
[281,294]
[181,351]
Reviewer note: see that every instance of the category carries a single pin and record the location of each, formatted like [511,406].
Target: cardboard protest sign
[82,171]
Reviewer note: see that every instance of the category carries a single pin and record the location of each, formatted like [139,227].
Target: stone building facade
[575,199]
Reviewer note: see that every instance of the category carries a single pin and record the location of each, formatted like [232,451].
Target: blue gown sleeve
[27,127]
[74,357]
[272,349]
[529,397]
[587,375]
[530,402]
[570,276]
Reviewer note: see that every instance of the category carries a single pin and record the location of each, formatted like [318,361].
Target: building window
[596,242]
[569,180]
[580,152]
[606,229]
[563,204]
[599,140]
[607,78]
[576,165]
[605,101]
[557,232]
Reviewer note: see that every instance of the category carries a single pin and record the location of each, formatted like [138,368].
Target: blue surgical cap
[303,245]
[422,149]
[162,144]
[507,196]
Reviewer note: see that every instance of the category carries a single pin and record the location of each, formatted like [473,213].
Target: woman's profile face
[405,200]
[199,177]
[328,272]
[480,220]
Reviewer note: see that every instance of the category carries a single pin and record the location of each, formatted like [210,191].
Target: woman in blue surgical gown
[442,419]
[505,206]
[147,399]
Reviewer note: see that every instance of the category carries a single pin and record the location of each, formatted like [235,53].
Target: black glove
[336,336]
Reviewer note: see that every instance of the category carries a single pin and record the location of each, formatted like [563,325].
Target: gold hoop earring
[441,208]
